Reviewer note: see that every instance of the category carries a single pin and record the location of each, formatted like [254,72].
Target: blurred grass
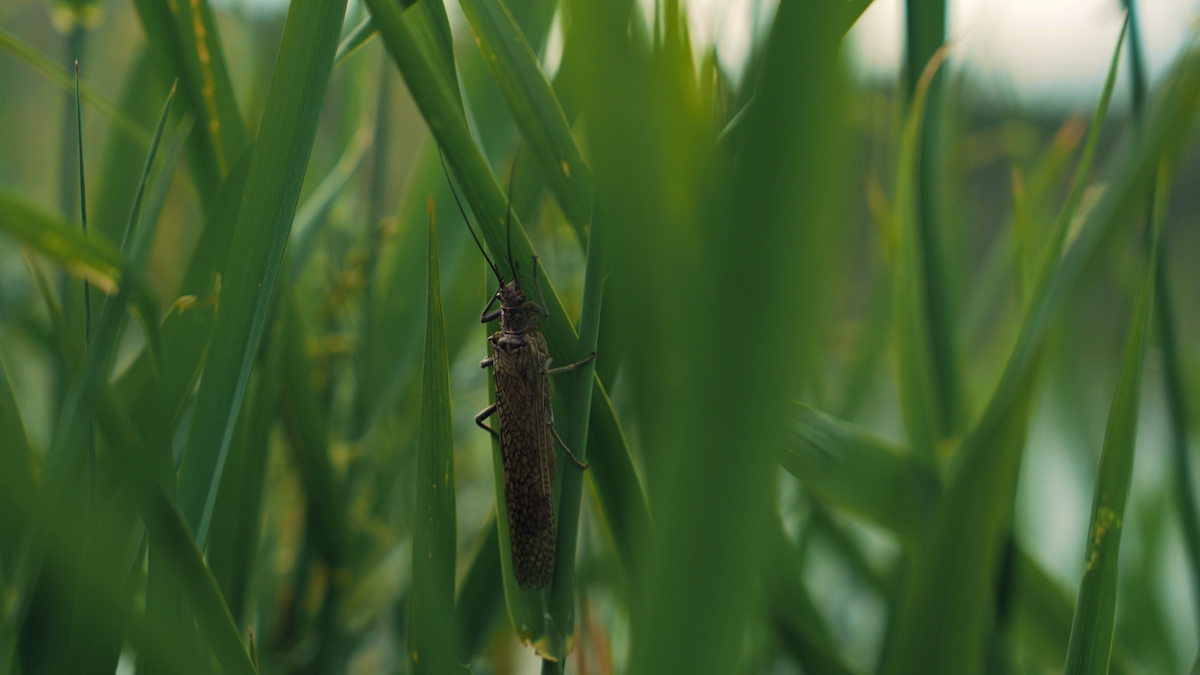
[271,431]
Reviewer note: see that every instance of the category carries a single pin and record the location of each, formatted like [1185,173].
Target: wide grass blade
[431,622]
[534,106]
[1095,611]
[264,220]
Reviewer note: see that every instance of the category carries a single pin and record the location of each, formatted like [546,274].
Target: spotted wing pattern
[522,401]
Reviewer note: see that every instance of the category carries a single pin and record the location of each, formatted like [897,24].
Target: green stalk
[560,628]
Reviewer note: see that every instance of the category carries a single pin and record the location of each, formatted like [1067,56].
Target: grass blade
[560,629]
[1095,611]
[534,106]
[481,595]
[431,623]
[276,171]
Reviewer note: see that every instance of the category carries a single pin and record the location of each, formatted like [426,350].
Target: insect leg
[486,363]
[483,415]
[539,308]
[573,366]
[564,446]
[487,314]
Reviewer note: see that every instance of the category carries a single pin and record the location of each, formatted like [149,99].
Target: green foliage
[818,434]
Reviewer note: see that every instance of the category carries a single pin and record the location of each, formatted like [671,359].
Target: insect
[520,364]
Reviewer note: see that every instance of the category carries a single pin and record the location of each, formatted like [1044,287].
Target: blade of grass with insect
[614,475]
[951,588]
[534,106]
[431,604]
[275,175]
[186,44]
[850,469]
[1095,610]
[560,627]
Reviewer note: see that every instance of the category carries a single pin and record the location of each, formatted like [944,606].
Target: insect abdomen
[526,444]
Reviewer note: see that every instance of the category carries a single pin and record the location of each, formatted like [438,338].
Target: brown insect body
[520,363]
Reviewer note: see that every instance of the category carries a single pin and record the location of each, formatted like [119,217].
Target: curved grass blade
[560,626]
[613,472]
[848,468]
[1095,611]
[534,106]
[275,175]
[431,605]
[95,259]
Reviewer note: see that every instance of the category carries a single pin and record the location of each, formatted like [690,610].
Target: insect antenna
[463,211]
[512,178]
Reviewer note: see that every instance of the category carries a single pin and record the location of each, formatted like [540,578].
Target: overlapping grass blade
[186,44]
[534,106]
[1095,611]
[616,480]
[560,629]
[276,171]
[431,624]
[920,399]
[947,603]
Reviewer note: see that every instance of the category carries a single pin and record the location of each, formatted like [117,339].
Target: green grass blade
[59,75]
[17,464]
[614,475]
[276,172]
[534,106]
[560,629]
[848,468]
[941,625]
[1095,611]
[431,619]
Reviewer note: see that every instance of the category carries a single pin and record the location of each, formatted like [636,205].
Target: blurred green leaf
[264,220]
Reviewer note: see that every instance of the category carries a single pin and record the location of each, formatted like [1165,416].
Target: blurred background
[1020,85]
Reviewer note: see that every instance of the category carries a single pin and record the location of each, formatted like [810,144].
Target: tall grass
[814,442]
